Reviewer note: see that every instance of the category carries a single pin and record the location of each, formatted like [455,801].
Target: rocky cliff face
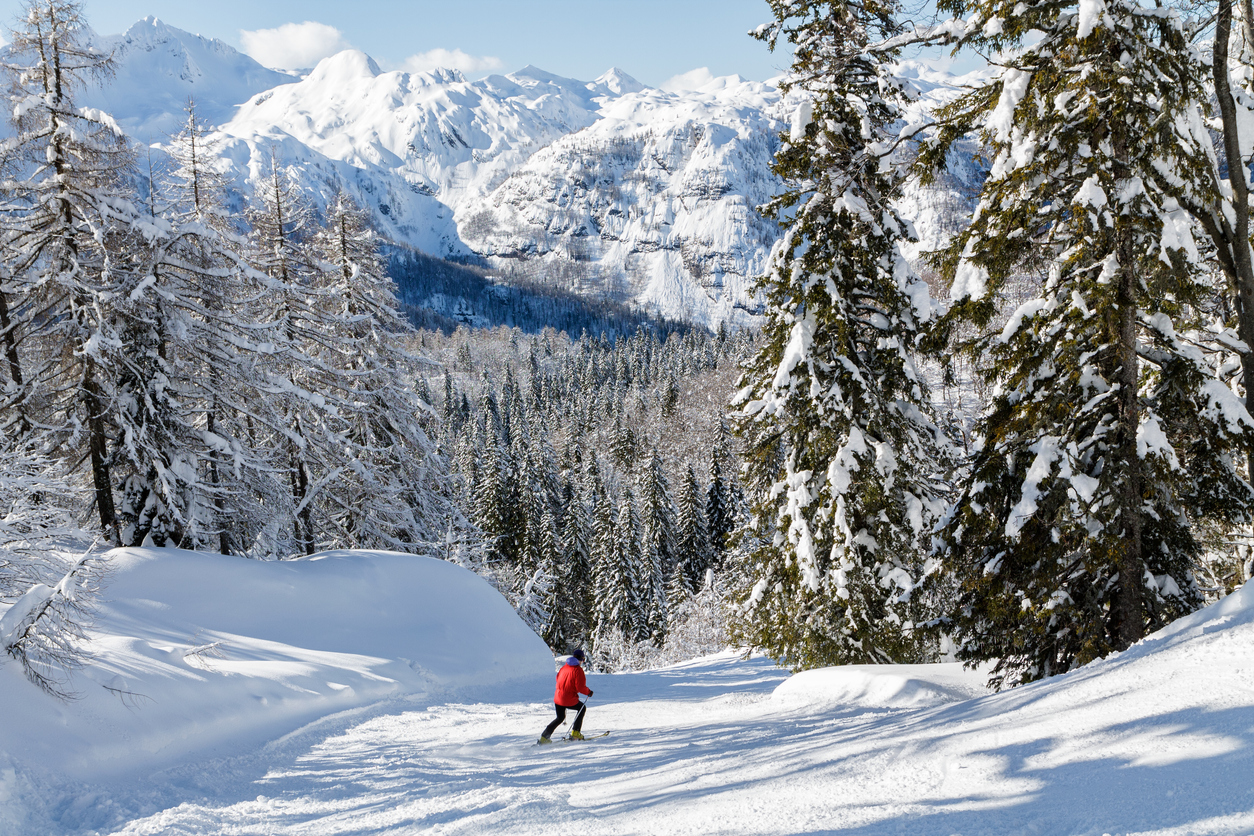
[606,187]
[654,202]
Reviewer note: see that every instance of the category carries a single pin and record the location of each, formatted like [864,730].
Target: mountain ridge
[608,187]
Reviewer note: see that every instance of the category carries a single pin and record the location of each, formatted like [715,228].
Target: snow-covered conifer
[575,551]
[1110,434]
[692,538]
[391,491]
[834,412]
[657,544]
[719,512]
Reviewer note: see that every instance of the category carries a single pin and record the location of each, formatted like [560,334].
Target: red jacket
[570,684]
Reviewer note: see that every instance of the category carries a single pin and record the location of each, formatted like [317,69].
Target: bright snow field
[1155,740]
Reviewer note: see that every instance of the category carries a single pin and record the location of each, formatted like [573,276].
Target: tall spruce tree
[1110,436]
[720,513]
[575,552]
[834,412]
[612,592]
[658,550]
[693,540]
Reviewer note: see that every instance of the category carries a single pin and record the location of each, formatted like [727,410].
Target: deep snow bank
[281,644]
[871,687]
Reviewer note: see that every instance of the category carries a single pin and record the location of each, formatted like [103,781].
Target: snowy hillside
[159,68]
[1153,741]
[605,187]
[196,654]
[448,691]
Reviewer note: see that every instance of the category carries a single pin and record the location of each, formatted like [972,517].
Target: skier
[570,684]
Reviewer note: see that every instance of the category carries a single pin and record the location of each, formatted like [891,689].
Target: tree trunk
[15,368]
[219,503]
[1127,608]
[1240,262]
[98,441]
[300,493]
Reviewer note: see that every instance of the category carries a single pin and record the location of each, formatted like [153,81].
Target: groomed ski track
[705,747]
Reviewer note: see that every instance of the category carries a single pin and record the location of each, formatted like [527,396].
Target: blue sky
[652,40]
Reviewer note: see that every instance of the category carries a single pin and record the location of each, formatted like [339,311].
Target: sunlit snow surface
[1156,740]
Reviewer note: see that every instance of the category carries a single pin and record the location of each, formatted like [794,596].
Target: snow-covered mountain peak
[345,68]
[618,82]
[150,29]
[161,67]
[606,185]
[439,75]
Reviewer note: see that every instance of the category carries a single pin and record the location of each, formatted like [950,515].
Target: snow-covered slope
[194,653]
[159,68]
[440,692]
[606,187]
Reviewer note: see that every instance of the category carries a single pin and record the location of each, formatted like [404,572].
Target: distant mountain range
[606,187]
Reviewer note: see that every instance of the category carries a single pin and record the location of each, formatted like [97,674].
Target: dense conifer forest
[601,474]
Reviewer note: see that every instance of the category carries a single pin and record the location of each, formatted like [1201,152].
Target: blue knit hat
[578,653]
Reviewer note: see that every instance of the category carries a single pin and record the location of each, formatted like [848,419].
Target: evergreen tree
[612,614]
[834,386]
[490,498]
[629,587]
[1109,437]
[558,632]
[623,445]
[576,556]
[693,540]
[658,550]
[390,491]
[719,511]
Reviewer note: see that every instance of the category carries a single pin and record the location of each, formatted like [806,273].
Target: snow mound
[871,687]
[196,654]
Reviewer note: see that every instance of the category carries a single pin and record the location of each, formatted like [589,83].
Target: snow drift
[196,654]
[872,687]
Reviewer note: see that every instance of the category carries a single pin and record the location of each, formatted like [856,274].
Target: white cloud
[293,46]
[452,59]
[691,80]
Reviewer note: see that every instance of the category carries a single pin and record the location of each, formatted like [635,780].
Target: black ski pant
[561,718]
